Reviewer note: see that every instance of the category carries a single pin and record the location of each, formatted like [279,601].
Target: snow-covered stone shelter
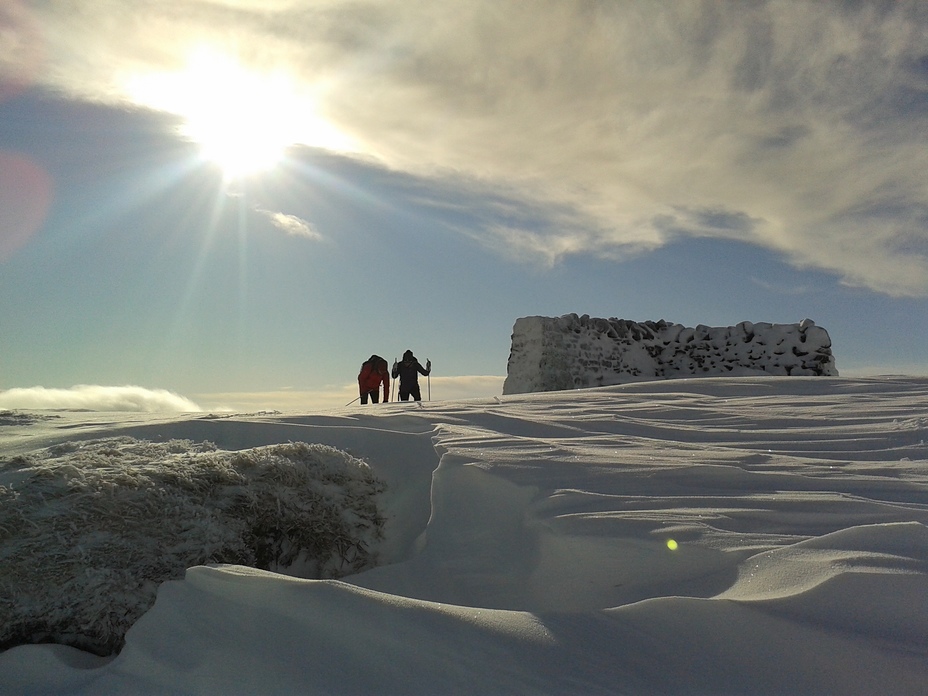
[572,352]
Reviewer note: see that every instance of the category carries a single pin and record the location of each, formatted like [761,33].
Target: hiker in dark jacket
[408,372]
[373,374]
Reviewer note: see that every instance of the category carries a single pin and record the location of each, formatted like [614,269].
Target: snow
[527,549]
[570,351]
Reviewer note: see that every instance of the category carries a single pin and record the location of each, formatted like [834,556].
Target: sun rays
[243,120]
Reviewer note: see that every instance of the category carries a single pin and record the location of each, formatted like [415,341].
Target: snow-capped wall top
[572,352]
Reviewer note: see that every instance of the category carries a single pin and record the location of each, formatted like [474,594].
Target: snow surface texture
[88,530]
[572,352]
[527,550]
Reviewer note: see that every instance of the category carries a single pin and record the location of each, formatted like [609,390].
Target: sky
[755,535]
[239,201]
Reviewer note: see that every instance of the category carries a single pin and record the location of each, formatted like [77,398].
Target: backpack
[369,366]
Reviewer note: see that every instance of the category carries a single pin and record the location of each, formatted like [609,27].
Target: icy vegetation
[571,352]
[88,530]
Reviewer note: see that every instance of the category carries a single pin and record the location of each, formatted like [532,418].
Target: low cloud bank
[97,398]
[464,387]
[340,395]
[140,399]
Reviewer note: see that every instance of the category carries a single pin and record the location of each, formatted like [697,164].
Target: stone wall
[572,352]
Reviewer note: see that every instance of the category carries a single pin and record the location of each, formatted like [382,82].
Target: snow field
[526,551]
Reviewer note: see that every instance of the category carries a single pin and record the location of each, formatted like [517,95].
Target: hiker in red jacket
[374,371]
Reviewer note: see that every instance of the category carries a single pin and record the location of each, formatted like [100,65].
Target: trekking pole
[352,401]
[428,379]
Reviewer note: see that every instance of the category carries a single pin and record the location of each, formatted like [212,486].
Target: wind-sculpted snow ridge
[571,352]
[88,530]
[20,418]
[698,536]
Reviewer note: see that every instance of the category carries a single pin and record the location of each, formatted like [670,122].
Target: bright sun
[243,120]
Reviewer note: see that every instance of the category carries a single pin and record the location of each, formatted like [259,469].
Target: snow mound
[819,578]
[88,530]
[572,352]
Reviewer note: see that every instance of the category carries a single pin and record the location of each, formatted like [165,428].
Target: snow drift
[527,549]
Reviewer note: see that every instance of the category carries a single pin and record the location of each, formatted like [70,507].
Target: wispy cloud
[781,288]
[96,398]
[291,224]
[798,126]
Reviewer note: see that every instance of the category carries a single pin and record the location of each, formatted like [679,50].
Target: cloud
[324,399]
[797,126]
[465,387]
[338,396]
[96,398]
[21,53]
[291,224]
[781,288]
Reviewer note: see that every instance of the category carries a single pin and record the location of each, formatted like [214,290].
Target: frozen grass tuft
[88,530]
